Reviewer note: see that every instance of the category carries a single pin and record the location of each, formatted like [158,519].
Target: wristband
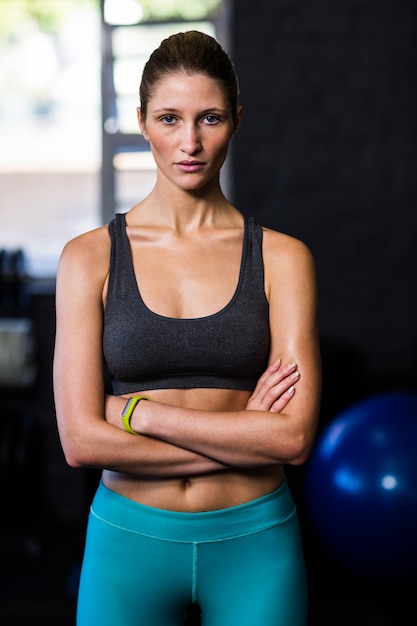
[127,413]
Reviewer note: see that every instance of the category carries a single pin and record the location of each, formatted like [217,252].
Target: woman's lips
[190,166]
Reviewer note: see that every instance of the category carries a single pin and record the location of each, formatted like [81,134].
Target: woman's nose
[190,139]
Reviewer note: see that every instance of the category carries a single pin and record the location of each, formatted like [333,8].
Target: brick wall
[327,152]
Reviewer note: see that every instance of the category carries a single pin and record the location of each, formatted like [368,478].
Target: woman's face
[189,125]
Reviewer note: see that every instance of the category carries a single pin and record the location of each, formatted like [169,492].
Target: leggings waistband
[250,517]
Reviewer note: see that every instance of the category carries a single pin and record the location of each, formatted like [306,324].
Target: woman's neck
[184,210]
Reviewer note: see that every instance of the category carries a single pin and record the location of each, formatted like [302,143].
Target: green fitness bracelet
[127,413]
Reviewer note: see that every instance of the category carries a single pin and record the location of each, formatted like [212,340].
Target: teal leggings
[243,566]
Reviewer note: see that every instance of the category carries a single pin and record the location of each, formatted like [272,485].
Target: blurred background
[327,152]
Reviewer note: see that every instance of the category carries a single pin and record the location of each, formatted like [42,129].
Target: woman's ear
[239,114]
[142,125]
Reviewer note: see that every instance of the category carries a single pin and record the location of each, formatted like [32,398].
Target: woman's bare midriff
[207,492]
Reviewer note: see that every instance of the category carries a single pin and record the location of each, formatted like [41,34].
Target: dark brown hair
[192,52]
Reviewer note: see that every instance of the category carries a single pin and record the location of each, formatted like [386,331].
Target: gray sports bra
[144,351]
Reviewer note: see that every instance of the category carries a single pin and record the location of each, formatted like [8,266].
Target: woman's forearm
[159,459]
[258,435]
[236,438]
[153,457]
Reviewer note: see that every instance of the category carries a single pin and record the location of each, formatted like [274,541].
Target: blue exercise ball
[361,487]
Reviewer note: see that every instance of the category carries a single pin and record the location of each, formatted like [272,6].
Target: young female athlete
[206,324]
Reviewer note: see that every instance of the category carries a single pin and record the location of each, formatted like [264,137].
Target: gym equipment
[361,487]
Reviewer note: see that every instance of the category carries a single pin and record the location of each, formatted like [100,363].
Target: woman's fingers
[274,374]
[278,396]
[281,391]
[280,404]
[275,387]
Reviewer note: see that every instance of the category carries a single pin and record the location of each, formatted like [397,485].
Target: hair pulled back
[191,52]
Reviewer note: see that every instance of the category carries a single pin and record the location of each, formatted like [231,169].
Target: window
[50,149]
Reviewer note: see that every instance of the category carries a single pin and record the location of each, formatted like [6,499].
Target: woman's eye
[212,119]
[168,119]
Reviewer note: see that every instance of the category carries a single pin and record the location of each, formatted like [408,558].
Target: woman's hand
[275,388]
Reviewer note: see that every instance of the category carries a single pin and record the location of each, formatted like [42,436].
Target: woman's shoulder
[280,247]
[289,264]
[88,252]
[90,242]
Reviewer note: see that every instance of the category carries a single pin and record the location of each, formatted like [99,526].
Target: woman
[207,321]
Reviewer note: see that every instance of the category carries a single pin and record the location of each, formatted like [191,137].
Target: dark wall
[327,152]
